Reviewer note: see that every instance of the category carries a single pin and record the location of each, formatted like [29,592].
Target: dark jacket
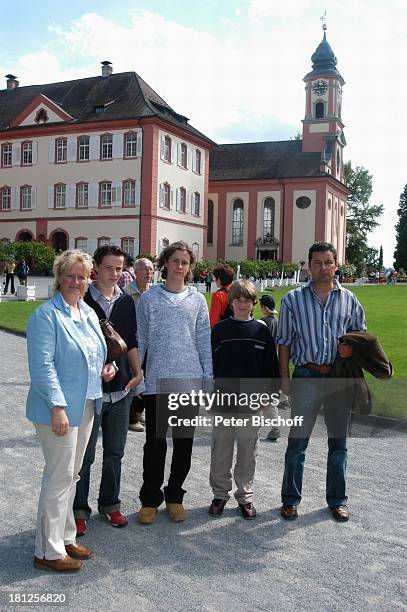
[244,358]
[123,318]
[350,387]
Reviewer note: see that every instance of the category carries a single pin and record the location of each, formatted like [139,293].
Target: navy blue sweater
[246,351]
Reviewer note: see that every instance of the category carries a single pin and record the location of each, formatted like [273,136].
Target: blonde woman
[66,356]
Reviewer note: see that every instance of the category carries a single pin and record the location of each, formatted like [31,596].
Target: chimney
[12,82]
[107,69]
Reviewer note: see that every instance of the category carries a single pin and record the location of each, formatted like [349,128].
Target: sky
[235,67]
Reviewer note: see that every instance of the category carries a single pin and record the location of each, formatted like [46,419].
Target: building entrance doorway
[59,241]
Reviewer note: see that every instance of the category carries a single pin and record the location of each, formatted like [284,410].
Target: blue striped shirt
[311,329]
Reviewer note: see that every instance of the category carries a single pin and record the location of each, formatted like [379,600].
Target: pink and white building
[106,159]
[272,200]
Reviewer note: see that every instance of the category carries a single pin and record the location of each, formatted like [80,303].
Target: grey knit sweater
[174,333]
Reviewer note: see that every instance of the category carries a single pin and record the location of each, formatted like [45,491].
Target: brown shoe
[146,515]
[67,564]
[77,551]
[177,512]
[340,513]
[289,512]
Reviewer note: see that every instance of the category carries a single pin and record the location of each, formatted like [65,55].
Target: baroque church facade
[106,159]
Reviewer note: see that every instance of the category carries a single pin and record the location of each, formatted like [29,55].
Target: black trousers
[155,450]
[9,278]
[136,408]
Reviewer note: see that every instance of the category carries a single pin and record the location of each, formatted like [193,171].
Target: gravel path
[224,564]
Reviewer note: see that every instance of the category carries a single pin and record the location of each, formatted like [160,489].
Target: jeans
[114,421]
[155,450]
[307,397]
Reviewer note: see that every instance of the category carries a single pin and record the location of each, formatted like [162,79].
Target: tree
[38,256]
[400,254]
[380,266]
[362,216]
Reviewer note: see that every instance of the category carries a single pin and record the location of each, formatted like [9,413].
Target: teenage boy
[223,275]
[144,273]
[242,348]
[174,341]
[312,318]
[107,300]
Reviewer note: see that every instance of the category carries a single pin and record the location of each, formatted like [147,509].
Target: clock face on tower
[319,87]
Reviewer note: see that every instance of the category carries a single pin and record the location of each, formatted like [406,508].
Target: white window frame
[61,149]
[5,196]
[82,195]
[237,222]
[79,244]
[60,196]
[106,193]
[127,245]
[83,148]
[26,197]
[6,155]
[129,192]
[106,146]
[130,144]
[196,201]
[198,161]
[167,149]
[26,154]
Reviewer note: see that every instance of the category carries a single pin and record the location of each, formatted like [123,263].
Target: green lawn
[385,308]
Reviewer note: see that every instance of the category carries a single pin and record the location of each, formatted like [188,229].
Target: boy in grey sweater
[174,343]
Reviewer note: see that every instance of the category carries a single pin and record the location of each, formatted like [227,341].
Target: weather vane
[323,19]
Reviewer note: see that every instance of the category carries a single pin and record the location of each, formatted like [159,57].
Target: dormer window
[41,116]
[99,109]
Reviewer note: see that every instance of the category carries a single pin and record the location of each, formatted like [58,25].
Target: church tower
[322,124]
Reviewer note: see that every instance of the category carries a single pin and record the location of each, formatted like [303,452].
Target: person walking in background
[223,275]
[66,356]
[268,309]
[127,275]
[10,270]
[208,281]
[22,271]
[174,342]
[242,349]
[107,300]
[312,318]
[144,273]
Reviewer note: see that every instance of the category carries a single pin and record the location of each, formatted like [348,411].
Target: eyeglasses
[78,252]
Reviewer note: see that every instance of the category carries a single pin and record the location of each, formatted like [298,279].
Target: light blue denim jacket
[58,361]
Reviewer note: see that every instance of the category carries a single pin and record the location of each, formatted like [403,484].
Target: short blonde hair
[66,260]
[243,288]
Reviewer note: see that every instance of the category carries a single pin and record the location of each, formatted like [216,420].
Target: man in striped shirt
[312,319]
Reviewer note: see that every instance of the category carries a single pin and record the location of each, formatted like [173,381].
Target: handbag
[116,346]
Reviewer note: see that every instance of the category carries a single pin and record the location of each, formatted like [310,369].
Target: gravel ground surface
[210,564]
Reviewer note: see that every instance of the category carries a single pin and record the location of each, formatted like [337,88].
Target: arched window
[338,160]
[268,218]
[209,237]
[319,110]
[237,222]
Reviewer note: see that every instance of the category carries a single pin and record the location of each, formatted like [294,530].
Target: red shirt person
[223,275]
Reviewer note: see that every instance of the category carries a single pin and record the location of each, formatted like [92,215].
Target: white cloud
[252,75]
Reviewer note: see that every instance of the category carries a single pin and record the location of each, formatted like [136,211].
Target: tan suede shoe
[177,512]
[146,515]
[77,551]
[67,564]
